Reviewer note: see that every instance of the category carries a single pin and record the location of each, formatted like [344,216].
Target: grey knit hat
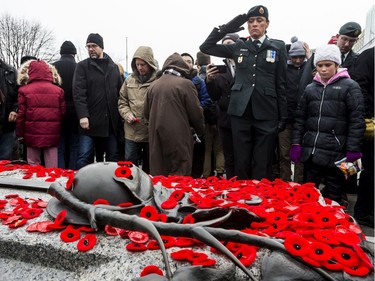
[327,52]
[297,49]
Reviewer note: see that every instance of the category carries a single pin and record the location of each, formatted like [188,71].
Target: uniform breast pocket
[241,59]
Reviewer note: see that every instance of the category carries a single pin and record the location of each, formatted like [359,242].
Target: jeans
[6,145]
[98,146]
[138,153]
[68,151]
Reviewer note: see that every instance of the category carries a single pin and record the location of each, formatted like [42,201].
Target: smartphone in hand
[222,68]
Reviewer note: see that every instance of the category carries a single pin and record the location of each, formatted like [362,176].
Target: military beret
[351,29]
[258,11]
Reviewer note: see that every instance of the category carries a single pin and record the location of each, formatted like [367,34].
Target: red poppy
[149,212]
[17,201]
[85,228]
[181,254]
[348,238]
[326,219]
[363,256]
[346,256]
[138,237]
[188,219]
[11,219]
[39,204]
[123,172]
[205,263]
[101,201]
[311,261]
[320,251]
[196,256]
[110,230]
[151,269]
[44,226]
[87,242]
[70,234]
[297,245]
[17,223]
[185,242]
[162,218]
[27,176]
[326,236]
[169,204]
[11,195]
[177,195]
[125,204]
[31,213]
[60,218]
[332,264]
[360,270]
[69,182]
[246,254]
[136,247]
[125,163]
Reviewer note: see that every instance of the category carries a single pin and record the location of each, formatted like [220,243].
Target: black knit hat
[68,48]
[258,11]
[96,39]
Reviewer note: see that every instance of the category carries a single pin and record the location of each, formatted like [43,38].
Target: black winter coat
[329,121]
[66,67]
[8,98]
[293,77]
[95,94]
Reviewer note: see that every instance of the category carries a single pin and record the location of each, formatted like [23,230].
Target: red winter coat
[41,106]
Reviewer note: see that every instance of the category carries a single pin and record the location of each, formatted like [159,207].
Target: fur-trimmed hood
[37,70]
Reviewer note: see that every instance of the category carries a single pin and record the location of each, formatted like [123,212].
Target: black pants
[254,143]
[332,176]
[365,200]
[227,144]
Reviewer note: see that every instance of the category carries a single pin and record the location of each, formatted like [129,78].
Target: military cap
[351,29]
[258,11]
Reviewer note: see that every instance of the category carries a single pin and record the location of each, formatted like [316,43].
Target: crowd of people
[272,110]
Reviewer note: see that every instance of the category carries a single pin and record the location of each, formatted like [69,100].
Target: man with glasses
[96,85]
[347,37]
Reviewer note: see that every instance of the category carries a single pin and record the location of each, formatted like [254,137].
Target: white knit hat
[327,52]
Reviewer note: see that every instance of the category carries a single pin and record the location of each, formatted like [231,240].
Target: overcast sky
[169,26]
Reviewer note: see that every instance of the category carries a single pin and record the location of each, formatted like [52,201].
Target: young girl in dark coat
[41,107]
[329,123]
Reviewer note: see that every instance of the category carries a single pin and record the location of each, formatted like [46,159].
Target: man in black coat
[68,147]
[8,110]
[257,103]
[96,85]
[364,75]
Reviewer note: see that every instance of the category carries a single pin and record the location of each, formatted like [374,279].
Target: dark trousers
[365,200]
[138,153]
[332,176]
[198,159]
[254,143]
[227,144]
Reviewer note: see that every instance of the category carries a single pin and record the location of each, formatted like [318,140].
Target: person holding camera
[257,106]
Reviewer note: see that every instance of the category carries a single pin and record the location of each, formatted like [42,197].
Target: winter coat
[219,90]
[172,108]
[132,97]
[293,77]
[8,96]
[66,67]
[95,95]
[330,119]
[41,105]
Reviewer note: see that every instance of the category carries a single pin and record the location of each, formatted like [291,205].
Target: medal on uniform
[271,56]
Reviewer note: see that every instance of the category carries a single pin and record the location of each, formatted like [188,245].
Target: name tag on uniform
[271,56]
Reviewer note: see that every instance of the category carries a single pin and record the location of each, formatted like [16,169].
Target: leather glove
[352,156]
[281,126]
[295,153]
[234,25]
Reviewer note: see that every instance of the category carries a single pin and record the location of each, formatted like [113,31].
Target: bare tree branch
[20,37]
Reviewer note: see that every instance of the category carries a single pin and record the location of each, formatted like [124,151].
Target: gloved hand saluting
[234,25]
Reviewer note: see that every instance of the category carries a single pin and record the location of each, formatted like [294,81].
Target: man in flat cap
[257,106]
[96,85]
[346,38]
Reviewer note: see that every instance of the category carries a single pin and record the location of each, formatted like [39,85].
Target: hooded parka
[41,105]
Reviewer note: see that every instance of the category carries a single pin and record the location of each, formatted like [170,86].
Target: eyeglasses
[347,39]
[91,46]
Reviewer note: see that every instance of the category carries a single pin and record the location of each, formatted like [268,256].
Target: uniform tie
[257,44]
[342,59]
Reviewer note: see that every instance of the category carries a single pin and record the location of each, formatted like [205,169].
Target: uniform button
[254,64]
[253,75]
[256,56]
[253,85]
